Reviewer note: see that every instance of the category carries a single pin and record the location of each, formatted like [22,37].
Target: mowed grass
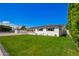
[33,45]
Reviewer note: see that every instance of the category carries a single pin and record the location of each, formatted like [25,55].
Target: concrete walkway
[10,34]
[1,54]
[2,51]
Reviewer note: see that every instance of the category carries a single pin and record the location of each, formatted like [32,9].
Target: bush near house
[33,45]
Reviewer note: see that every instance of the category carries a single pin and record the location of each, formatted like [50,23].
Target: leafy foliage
[73,20]
[23,28]
[5,28]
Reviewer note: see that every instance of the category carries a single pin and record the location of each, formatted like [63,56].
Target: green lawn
[30,45]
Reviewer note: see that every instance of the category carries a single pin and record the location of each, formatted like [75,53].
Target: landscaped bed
[33,45]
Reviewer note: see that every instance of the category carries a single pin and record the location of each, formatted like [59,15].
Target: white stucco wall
[49,33]
[16,31]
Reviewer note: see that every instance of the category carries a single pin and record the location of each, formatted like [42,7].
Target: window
[50,29]
[41,29]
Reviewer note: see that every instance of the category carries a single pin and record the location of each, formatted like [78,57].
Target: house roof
[48,26]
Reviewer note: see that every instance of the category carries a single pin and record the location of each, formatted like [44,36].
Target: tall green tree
[73,21]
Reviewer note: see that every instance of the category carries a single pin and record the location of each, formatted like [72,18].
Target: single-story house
[50,30]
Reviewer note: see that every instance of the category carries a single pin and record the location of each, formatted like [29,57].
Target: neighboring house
[50,30]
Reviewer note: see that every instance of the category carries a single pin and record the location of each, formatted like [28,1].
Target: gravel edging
[2,51]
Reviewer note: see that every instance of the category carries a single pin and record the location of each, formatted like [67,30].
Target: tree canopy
[23,28]
[5,28]
[73,20]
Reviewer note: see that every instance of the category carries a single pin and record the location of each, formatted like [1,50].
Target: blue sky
[34,14]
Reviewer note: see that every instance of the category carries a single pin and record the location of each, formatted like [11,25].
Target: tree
[23,28]
[73,21]
[5,28]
